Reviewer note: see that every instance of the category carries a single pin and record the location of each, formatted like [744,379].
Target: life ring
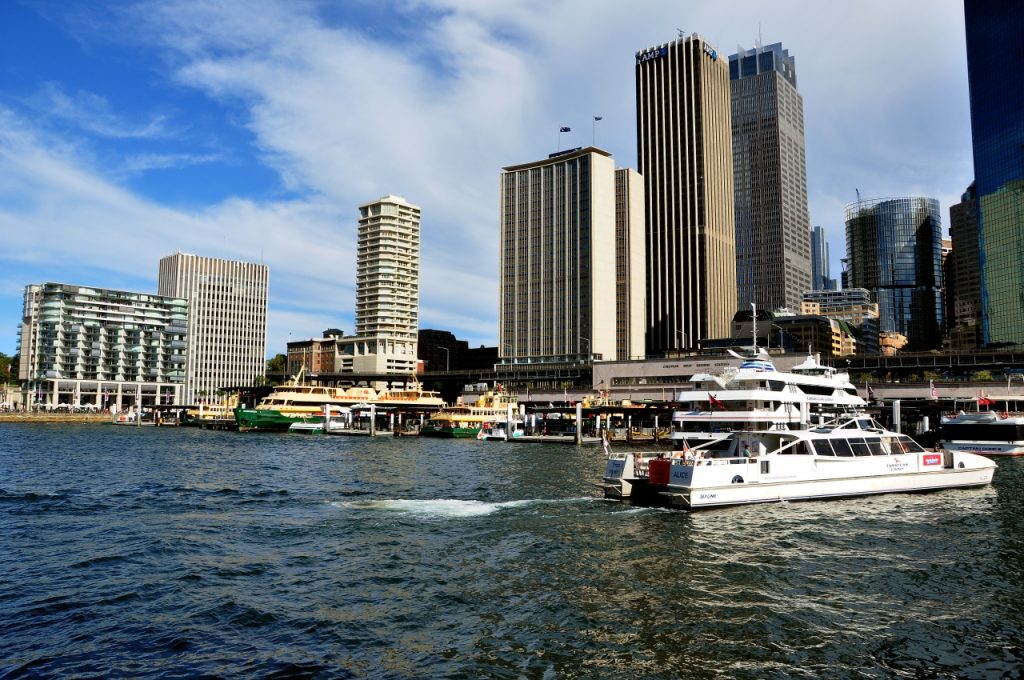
[1004,415]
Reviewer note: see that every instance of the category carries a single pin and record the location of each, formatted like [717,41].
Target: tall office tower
[629,265]
[820,277]
[773,252]
[964,282]
[227,320]
[995,71]
[684,153]
[387,287]
[894,249]
[557,270]
[81,346]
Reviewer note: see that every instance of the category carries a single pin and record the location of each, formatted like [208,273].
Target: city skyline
[134,130]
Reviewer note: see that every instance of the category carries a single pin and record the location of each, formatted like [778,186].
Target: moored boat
[756,396]
[854,457]
[466,420]
[996,431]
[296,402]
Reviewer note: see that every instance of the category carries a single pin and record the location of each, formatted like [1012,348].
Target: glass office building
[995,69]
[894,249]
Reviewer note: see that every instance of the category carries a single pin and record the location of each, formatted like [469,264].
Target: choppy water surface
[176,552]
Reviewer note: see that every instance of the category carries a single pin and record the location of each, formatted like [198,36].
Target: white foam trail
[446,507]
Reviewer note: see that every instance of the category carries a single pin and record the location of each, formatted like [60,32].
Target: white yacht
[756,396]
[854,457]
[996,431]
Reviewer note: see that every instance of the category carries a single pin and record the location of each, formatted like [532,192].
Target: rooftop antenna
[858,195]
[681,32]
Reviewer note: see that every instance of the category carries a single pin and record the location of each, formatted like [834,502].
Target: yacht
[853,457]
[996,431]
[756,396]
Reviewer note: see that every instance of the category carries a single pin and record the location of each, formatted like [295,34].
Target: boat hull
[264,420]
[429,430]
[740,481]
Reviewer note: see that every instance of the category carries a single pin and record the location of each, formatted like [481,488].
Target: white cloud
[345,113]
[91,113]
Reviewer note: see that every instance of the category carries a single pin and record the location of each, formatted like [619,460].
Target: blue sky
[253,129]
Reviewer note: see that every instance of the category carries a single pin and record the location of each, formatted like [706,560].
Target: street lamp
[446,355]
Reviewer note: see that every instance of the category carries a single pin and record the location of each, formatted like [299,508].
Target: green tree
[277,364]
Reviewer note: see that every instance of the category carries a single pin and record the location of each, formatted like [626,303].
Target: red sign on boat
[931,459]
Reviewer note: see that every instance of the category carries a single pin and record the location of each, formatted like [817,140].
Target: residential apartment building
[684,153]
[570,277]
[227,320]
[387,291]
[773,252]
[80,345]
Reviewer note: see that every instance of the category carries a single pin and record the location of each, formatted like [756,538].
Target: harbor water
[173,552]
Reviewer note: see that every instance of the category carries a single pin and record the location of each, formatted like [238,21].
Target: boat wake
[448,507]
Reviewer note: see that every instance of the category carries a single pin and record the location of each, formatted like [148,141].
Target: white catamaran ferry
[854,457]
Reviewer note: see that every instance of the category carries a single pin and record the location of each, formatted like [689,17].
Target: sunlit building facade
[84,346]
[684,153]
[773,250]
[227,320]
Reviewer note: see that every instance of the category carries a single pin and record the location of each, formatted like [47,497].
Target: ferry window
[842,447]
[910,446]
[860,447]
[875,446]
[823,448]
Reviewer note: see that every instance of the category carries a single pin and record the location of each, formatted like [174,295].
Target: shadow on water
[155,552]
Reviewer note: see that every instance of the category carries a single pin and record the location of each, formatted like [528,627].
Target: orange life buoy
[1004,415]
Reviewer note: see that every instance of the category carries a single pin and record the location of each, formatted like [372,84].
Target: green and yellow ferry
[464,421]
[295,403]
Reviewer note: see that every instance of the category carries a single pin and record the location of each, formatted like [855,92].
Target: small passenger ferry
[996,431]
[855,457]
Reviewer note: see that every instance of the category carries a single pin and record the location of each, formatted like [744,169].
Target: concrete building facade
[102,348]
[558,275]
[684,153]
[387,290]
[227,320]
[773,251]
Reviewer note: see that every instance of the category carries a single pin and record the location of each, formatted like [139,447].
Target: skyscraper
[684,149]
[558,273]
[387,288]
[995,70]
[227,320]
[773,255]
[964,281]
[820,276]
[894,249]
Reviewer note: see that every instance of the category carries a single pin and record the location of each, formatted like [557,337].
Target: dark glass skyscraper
[820,277]
[995,68]
[894,249]
[773,253]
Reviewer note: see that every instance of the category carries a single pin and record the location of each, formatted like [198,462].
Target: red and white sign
[931,459]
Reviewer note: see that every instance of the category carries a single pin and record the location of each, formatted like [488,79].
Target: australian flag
[564,129]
